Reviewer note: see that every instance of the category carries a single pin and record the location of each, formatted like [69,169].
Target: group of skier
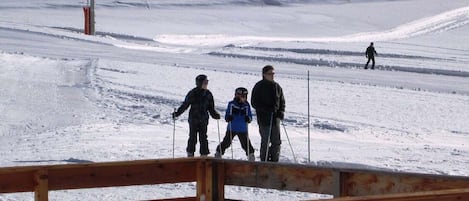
[268,101]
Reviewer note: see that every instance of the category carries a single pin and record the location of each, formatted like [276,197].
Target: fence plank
[92,175]
[106,175]
[17,181]
[446,195]
[280,177]
[212,175]
[368,183]
[346,182]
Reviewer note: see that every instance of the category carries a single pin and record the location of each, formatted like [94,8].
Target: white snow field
[72,98]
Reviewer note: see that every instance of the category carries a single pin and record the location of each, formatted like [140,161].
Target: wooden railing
[211,176]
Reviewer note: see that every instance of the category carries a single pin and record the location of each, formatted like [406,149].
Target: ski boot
[217,155]
[251,157]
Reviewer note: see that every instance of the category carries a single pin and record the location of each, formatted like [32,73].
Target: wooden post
[41,190]
[209,188]
[219,179]
[201,180]
[336,184]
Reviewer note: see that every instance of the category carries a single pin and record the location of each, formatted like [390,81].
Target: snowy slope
[71,98]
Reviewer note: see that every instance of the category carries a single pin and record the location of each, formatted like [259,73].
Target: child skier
[200,99]
[238,115]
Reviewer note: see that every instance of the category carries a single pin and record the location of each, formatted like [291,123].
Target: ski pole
[174,130]
[247,134]
[247,139]
[219,140]
[294,157]
[231,131]
[268,139]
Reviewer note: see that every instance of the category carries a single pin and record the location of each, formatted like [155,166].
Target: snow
[72,98]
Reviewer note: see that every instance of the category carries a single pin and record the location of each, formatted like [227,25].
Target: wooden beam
[177,199]
[280,176]
[13,182]
[41,191]
[343,182]
[366,183]
[121,175]
[92,175]
[212,175]
[446,195]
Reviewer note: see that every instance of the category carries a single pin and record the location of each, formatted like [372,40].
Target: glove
[174,115]
[229,118]
[247,119]
[216,116]
[280,115]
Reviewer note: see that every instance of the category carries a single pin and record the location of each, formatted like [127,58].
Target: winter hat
[267,69]
[200,79]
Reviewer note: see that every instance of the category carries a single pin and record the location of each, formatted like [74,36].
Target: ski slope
[439,23]
[72,98]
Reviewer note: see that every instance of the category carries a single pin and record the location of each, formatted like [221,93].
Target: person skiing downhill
[370,54]
[268,100]
[238,115]
[200,99]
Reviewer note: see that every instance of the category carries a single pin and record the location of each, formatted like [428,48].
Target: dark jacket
[201,102]
[267,98]
[240,116]
[370,51]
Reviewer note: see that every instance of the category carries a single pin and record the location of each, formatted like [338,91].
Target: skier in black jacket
[268,100]
[201,101]
[370,54]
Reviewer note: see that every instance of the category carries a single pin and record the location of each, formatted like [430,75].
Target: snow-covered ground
[72,98]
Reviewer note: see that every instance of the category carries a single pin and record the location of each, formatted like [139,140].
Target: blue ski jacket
[241,116]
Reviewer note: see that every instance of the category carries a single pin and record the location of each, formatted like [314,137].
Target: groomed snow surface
[70,98]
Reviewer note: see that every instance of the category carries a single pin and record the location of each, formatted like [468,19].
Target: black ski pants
[243,139]
[275,141]
[372,64]
[200,128]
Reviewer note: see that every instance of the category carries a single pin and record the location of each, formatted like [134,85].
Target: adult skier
[200,99]
[238,115]
[370,54]
[269,102]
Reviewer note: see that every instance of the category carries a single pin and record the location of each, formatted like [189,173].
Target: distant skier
[201,101]
[269,102]
[238,115]
[370,54]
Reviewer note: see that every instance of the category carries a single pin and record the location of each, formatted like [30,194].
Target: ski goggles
[241,92]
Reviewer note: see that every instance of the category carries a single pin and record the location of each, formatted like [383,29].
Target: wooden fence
[211,176]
